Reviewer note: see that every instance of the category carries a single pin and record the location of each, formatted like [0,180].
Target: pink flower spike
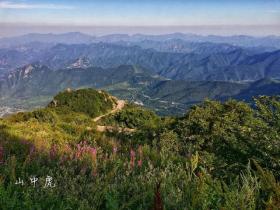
[115,149]
[93,153]
[140,163]
[132,153]
[78,155]
[93,150]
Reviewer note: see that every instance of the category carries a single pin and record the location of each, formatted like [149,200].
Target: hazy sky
[20,16]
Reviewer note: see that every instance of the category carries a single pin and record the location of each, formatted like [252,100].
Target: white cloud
[13,5]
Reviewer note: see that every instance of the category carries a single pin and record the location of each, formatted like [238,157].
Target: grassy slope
[193,157]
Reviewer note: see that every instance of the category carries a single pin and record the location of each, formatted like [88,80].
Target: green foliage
[218,156]
[230,134]
[42,115]
[133,117]
[88,101]
[269,110]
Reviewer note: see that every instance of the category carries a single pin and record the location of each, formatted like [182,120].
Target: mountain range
[167,73]
[77,37]
[225,64]
[37,84]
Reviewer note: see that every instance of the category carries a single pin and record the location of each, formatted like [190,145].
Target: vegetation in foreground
[218,156]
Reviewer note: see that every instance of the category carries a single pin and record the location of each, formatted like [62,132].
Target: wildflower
[78,154]
[79,151]
[115,150]
[83,148]
[140,162]
[53,152]
[67,153]
[132,158]
[93,153]
[67,149]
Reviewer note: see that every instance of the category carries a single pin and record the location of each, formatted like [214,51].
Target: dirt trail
[118,107]
[102,128]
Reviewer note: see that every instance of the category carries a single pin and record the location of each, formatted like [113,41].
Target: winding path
[102,128]
[118,107]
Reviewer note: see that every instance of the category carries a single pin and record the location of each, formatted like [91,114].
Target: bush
[133,117]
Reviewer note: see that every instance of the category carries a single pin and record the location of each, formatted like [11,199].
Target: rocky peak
[82,62]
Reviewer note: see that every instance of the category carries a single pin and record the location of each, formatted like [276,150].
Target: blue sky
[85,13]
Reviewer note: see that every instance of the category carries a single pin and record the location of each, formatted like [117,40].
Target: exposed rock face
[80,63]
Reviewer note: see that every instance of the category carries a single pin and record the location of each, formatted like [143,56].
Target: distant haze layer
[8,30]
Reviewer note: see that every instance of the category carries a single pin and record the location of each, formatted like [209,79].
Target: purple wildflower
[83,148]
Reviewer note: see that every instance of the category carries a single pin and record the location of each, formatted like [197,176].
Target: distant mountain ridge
[227,64]
[132,83]
[77,37]
[67,38]
[167,73]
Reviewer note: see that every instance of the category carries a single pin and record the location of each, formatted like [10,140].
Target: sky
[255,17]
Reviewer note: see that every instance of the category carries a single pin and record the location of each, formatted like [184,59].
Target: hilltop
[88,101]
